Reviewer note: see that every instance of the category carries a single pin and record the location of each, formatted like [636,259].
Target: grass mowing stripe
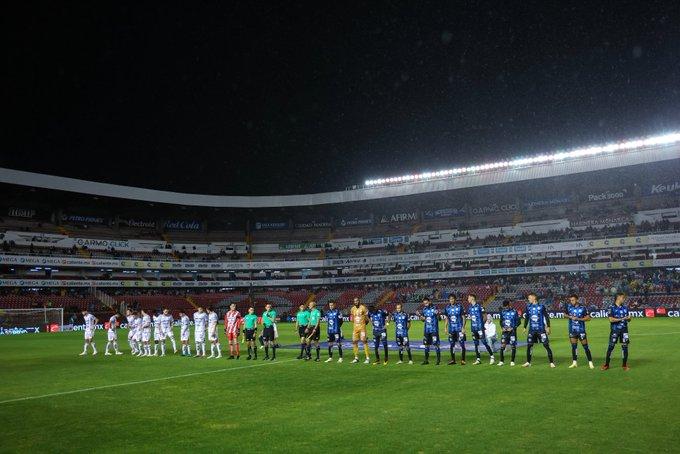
[140,382]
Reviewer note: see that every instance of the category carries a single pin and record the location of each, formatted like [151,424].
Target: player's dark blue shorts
[402,341]
[537,336]
[509,337]
[302,331]
[580,335]
[380,335]
[334,337]
[457,336]
[478,334]
[619,335]
[431,339]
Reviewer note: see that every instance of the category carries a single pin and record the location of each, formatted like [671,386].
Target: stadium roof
[543,166]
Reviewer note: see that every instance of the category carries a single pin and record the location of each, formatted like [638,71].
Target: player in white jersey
[112,334]
[166,324]
[200,320]
[157,332]
[130,316]
[146,333]
[90,326]
[212,334]
[137,336]
[184,324]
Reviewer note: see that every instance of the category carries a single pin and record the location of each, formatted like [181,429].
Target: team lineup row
[536,323]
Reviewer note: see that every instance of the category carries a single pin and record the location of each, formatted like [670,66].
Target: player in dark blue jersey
[402,324]
[430,316]
[476,315]
[618,319]
[578,316]
[455,324]
[333,329]
[510,320]
[379,321]
[537,318]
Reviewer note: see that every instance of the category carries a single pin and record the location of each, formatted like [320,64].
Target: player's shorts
[478,334]
[250,334]
[509,338]
[457,336]
[157,334]
[89,334]
[232,335]
[268,333]
[380,335]
[402,341]
[315,334]
[537,336]
[431,339]
[131,335]
[199,335]
[146,335]
[619,335]
[302,331]
[137,336]
[580,335]
[334,337]
[112,336]
[359,333]
[184,335]
[167,333]
[212,334]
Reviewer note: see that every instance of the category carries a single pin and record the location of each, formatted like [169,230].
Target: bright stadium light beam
[630,145]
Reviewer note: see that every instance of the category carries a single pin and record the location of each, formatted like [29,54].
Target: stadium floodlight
[666,139]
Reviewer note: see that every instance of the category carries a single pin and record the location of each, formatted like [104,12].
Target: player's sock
[249,351]
[366,349]
[610,349]
[115,346]
[451,351]
[586,348]
[573,352]
[274,351]
[624,351]
[355,349]
[330,351]
[339,349]
[439,353]
[163,348]
[94,349]
[550,353]
[427,353]
[106,349]
[303,347]
[266,350]
[408,350]
[318,350]
[237,348]
[529,348]
[309,350]
[476,342]
[198,348]
[376,347]
[514,352]
[501,351]
[488,347]
[385,348]
[401,354]
[462,351]
[174,344]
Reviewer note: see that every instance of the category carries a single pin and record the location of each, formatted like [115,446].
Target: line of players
[536,325]
[308,326]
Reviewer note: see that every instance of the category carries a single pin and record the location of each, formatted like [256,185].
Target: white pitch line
[140,382]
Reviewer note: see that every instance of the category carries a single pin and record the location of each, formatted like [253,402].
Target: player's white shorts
[168,333]
[212,334]
[89,333]
[146,335]
[199,335]
[137,336]
[131,335]
[184,335]
[112,336]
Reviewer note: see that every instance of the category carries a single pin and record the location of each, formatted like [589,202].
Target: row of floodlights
[523,162]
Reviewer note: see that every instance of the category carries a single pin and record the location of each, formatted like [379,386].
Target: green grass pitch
[124,404]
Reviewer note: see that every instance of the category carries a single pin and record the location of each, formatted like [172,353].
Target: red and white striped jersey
[232,321]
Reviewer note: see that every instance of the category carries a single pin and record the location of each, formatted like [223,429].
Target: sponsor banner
[494,208]
[444,213]
[410,216]
[435,256]
[102,244]
[607,221]
[272,225]
[312,225]
[607,195]
[25,213]
[179,224]
[82,219]
[545,203]
[138,223]
[354,221]
[297,246]
[663,188]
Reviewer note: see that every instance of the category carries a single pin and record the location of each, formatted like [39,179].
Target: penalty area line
[141,382]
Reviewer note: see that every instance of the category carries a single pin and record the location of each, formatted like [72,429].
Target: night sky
[239,98]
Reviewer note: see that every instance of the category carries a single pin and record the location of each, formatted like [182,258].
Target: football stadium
[529,302]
